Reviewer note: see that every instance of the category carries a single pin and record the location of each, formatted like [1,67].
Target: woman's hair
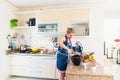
[70,30]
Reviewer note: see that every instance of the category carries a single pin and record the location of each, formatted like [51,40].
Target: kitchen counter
[32,65]
[33,54]
[97,72]
[50,52]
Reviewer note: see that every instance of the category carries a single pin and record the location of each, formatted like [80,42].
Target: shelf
[48,28]
[80,21]
[12,40]
[21,27]
[88,36]
[45,32]
[48,33]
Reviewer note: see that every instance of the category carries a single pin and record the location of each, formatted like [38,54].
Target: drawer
[37,66]
[19,71]
[20,68]
[37,70]
[49,58]
[19,60]
[37,74]
[19,63]
[36,59]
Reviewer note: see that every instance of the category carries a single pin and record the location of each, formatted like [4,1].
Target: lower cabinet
[19,65]
[49,67]
[33,66]
[36,66]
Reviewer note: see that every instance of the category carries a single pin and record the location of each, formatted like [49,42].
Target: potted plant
[13,23]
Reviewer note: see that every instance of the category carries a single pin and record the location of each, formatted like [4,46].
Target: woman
[64,50]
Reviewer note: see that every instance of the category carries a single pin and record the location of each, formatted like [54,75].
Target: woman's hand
[70,52]
[77,53]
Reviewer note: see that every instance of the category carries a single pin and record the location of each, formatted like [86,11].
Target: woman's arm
[61,41]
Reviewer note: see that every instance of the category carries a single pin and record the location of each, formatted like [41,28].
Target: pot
[23,48]
[76,59]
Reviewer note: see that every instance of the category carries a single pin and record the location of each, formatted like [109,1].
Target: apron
[62,56]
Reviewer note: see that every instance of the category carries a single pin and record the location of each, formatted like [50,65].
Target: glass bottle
[118,57]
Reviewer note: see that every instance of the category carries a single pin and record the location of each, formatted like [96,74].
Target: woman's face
[70,35]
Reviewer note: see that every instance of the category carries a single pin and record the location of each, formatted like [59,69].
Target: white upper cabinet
[46,15]
[51,27]
[79,21]
[52,21]
[64,16]
[81,28]
[78,15]
[48,22]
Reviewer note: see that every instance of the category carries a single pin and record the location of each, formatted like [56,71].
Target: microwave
[81,29]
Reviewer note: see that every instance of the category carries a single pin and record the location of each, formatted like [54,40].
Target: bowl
[88,65]
[35,50]
[76,60]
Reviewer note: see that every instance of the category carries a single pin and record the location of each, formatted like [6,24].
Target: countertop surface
[33,54]
[94,70]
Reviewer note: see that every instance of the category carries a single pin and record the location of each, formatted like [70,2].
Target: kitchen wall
[34,39]
[94,42]
[112,31]
[6,13]
[112,27]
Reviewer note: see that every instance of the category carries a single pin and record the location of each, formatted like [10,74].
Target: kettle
[78,47]
[32,22]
